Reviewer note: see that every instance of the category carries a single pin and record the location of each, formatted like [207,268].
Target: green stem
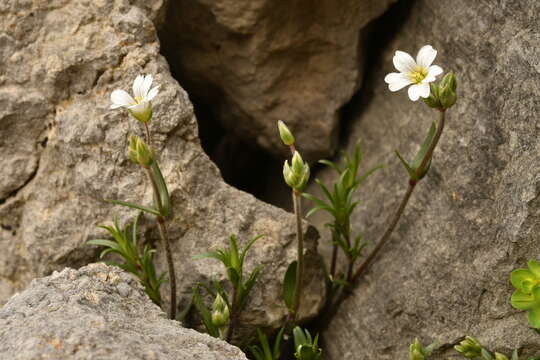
[234,315]
[170,264]
[297,201]
[404,201]
[334,260]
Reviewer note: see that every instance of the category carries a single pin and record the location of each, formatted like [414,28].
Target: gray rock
[258,61]
[65,151]
[476,216]
[83,314]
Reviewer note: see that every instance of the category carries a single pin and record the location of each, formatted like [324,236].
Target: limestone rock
[476,216]
[253,62]
[65,151]
[97,312]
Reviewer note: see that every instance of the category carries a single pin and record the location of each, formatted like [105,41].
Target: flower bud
[142,111]
[286,136]
[139,152]
[297,175]
[433,100]
[220,312]
[416,351]
[469,348]
[499,356]
[447,91]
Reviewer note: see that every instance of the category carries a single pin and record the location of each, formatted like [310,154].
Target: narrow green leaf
[289,285]
[107,243]
[246,249]
[330,164]
[135,206]
[410,171]
[424,147]
[277,344]
[162,189]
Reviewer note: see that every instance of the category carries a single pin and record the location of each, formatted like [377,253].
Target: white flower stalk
[140,106]
[419,73]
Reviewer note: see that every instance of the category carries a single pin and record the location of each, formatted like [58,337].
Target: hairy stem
[334,260]
[147,133]
[297,201]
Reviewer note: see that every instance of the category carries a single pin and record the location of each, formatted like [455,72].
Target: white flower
[419,73]
[140,106]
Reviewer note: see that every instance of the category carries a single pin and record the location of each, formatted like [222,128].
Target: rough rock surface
[97,312]
[64,151]
[254,62]
[476,216]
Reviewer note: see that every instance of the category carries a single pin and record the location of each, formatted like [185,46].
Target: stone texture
[65,151]
[97,312]
[253,62]
[476,216]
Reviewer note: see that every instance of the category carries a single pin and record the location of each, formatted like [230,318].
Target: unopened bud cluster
[139,152]
[469,348]
[220,312]
[296,175]
[443,96]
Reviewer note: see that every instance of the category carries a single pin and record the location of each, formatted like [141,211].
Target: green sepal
[289,285]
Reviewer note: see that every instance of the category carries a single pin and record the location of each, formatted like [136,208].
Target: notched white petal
[121,98]
[146,84]
[403,62]
[152,93]
[414,92]
[423,90]
[137,85]
[397,81]
[426,55]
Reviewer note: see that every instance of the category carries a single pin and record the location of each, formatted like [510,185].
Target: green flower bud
[433,100]
[416,351]
[220,312]
[499,356]
[447,91]
[469,348]
[286,136]
[296,176]
[139,152]
[142,111]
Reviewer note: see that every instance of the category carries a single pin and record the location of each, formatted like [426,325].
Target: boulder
[253,62]
[476,216]
[65,151]
[98,312]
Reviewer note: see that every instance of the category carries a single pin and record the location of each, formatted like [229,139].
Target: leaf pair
[306,347]
[141,265]
[162,201]
[263,351]
[416,173]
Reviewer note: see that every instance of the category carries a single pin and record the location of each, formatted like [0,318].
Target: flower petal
[414,92]
[137,85]
[146,84]
[433,71]
[152,93]
[121,98]
[426,55]
[397,81]
[404,62]
[423,90]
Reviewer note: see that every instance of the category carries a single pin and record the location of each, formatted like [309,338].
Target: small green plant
[296,177]
[418,352]
[306,347]
[263,351]
[140,264]
[226,309]
[340,205]
[527,294]
[141,153]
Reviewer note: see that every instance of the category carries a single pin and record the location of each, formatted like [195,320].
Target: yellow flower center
[138,99]
[418,74]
